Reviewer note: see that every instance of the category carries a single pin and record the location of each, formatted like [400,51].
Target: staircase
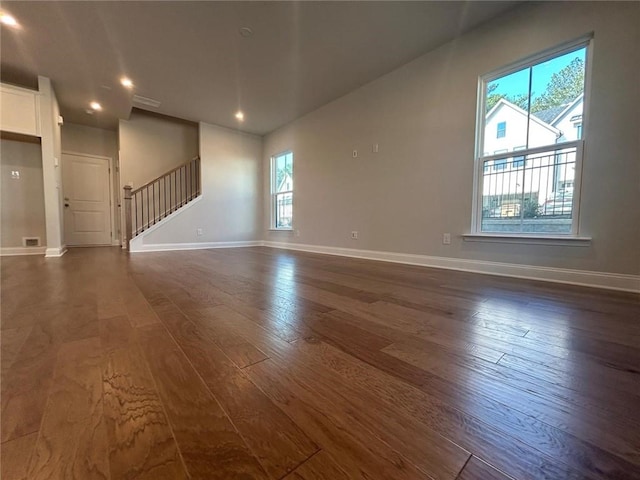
[149,204]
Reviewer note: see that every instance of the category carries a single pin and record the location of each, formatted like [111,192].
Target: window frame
[274,194]
[480,160]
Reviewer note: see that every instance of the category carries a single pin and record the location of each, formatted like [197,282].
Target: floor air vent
[31,241]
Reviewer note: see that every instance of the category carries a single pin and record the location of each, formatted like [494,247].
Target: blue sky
[518,82]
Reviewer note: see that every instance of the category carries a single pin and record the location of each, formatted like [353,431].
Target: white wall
[91,140]
[102,143]
[422,115]
[230,208]
[22,209]
[151,145]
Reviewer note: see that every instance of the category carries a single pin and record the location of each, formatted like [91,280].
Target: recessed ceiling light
[96,106]
[240,115]
[245,32]
[126,82]
[8,20]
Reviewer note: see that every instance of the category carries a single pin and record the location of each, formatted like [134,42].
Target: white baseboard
[55,252]
[611,281]
[168,247]
[12,251]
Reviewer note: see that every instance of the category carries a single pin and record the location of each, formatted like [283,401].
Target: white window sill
[289,229]
[564,240]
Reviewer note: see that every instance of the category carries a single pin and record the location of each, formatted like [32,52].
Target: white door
[87,212]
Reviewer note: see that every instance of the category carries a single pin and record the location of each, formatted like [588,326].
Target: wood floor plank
[516,413]
[358,459]
[210,445]
[15,456]
[423,403]
[436,329]
[445,459]
[274,438]
[319,467]
[72,441]
[476,469]
[26,384]
[612,354]
[244,354]
[241,352]
[116,332]
[582,379]
[11,341]
[138,309]
[141,444]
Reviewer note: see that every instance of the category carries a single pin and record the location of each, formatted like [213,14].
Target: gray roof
[550,114]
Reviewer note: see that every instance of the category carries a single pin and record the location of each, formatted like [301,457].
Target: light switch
[15,175]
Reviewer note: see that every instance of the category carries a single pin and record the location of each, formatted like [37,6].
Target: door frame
[113,238]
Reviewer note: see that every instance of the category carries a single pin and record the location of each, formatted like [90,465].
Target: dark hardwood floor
[268,364]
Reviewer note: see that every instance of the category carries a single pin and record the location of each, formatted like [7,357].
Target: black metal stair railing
[147,205]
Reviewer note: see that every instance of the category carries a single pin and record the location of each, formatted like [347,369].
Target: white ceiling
[191,57]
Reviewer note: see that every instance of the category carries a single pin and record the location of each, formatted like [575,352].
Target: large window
[530,183]
[282,191]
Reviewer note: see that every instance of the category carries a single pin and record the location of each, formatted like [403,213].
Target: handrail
[165,174]
[150,203]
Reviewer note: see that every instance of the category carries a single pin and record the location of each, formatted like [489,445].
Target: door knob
[66,204]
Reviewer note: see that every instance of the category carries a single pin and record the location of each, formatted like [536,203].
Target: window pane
[557,87]
[283,174]
[506,104]
[284,210]
[518,160]
[529,195]
[536,106]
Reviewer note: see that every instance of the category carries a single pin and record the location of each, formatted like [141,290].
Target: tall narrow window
[502,130]
[282,191]
[530,189]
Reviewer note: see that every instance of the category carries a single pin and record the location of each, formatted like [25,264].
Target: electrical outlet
[446,239]
[354,235]
[199,232]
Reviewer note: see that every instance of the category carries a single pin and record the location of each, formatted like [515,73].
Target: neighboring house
[285,204]
[286,184]
[506,129]
[569,120]
[537,179]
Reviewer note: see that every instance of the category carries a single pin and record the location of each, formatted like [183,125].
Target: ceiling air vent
[31,241]
[150,102]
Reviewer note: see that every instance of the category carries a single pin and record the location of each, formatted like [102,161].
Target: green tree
[521,100]
[281,172]
[564,87]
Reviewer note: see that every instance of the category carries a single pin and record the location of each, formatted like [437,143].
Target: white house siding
[503,184]
[568,121]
